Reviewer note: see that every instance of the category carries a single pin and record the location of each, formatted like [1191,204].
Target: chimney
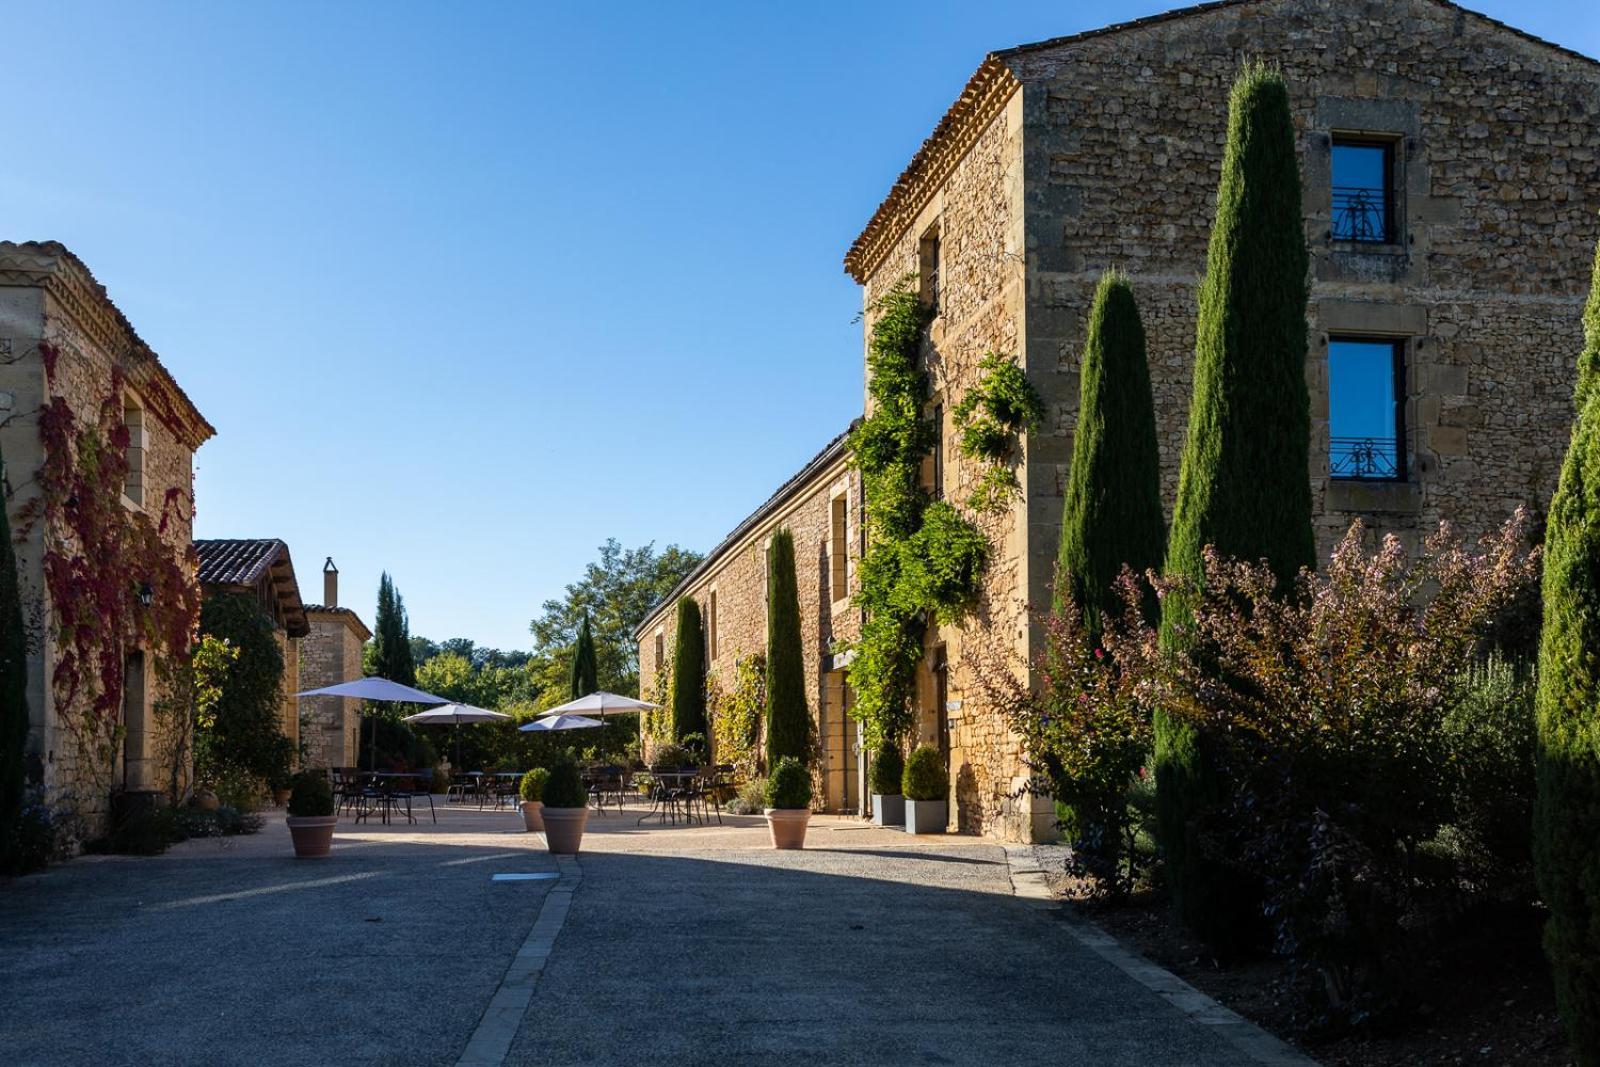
[330,584]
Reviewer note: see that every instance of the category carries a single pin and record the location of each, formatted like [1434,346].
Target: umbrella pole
[372,746]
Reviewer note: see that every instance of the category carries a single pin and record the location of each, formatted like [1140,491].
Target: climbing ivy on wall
[994,413]
[100,561]
[921,558]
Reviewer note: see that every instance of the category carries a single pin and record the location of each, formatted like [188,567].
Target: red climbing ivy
[98,557]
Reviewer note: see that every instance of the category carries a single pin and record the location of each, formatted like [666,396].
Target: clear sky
[468,288]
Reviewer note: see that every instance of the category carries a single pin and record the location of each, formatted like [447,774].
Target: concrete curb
[491,1040]
[1253,1043]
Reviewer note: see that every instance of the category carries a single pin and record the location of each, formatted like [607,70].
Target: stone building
[330,727]
[98,442]
[1451,181]
[262,570]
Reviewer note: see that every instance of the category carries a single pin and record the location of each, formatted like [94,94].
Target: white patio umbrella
[601,703]
[379,689]
[456,714]
[560,722]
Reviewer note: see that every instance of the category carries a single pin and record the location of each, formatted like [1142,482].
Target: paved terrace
[658,946]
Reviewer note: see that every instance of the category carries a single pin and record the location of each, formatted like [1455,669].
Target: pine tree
[13,696]
[392,636]
[1112,516]
[689,673]
[788,717]
[1567,813]
[583,679]
[1244,482]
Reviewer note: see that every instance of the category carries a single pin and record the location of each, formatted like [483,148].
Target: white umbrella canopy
[456,714]
[601,703]
[560,722]
[381,689]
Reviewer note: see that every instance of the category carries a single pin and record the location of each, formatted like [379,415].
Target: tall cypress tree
[689,673]
[1244,483]
[1589,358]
[585,669]
[788,717]
[1112,514]
[392,636]
[13,695]
[1567,813]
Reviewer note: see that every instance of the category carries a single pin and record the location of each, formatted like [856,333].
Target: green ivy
[920,558]
[993,414]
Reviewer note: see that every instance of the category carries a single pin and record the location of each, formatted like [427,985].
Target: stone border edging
[1251,1041]
[497,1028]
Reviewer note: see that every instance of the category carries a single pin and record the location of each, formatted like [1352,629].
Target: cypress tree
[1589,358]
[788,717]
[1244,483]
[13,696]
[1567,812]
[585,670]
[689,673]
[392,636]
[1112,514]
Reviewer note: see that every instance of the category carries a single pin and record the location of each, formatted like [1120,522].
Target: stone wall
[737,573]
[330,727]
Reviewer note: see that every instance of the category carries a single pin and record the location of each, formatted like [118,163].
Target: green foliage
[790,785]
[564,788]
[585,668]
[1000,407]
[245,732]
[311,795]
[888,766]
[750,799]
[532,785]
[391,637]
[925,776]
[788,716]
[1243,484]
[1567,815]
[1490,735]
[1112,514]
[905,571]
[32,839]
[1589,358]
[737,715]
[13,698]
[689,673]
[615,594]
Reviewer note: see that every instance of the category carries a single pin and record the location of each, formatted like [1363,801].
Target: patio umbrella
[601,703]
[456,714]
[560,722]
[379,689]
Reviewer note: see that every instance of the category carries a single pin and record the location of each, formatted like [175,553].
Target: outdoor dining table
[662,799]
[481,781]
[381,783]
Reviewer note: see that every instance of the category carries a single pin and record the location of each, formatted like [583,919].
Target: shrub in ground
[925,776]
[751,798]
[789,786]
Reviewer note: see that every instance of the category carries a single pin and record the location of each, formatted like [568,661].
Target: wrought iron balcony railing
[1365,457]
[1360,214]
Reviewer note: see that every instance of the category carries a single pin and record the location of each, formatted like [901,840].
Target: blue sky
[468,288]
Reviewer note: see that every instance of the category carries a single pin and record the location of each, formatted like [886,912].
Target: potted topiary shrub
[888,803]
[532,790]
[566,809]
[926,785]
[311,819]
[789,803]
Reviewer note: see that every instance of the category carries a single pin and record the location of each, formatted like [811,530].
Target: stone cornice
[51,266]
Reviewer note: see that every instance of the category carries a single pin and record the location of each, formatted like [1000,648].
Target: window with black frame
[1366,408]
[1363,190]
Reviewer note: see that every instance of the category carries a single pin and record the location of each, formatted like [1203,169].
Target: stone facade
[821,508]
[330,727]
[1066,158]
[49,302]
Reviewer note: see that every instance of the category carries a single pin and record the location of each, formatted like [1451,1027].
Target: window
[661,649]
[838,551]
[711,626]
[928,269]
[133,419]
[938,451]
[1363,190]
[1366,412]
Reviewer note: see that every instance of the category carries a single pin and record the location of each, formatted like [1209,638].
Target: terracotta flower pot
[280,797]
[313,834]
[206,800]
[788,826]
[532,818]
[563,829]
